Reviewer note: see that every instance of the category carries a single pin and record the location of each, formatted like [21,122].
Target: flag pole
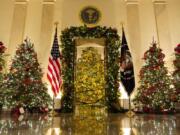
[130,113]
[122,25]
[53,112]
[53,104]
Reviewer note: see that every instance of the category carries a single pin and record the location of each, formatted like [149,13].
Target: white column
[46,32]
[147,24]
[120,16]
[163,31]
[33,22]
[18,25]
[58,15]
[174,20]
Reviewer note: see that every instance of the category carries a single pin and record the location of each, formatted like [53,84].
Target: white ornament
[21,110]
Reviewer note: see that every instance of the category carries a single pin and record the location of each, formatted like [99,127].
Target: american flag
[54,67]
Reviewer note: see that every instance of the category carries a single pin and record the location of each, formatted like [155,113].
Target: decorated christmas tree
[176,73]
[156,93]
[2,63]
[25,88]
[90,80]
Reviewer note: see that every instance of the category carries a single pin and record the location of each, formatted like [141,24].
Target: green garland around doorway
[112,62]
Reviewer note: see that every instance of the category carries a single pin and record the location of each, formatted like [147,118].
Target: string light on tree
[24,86]
[176,73]
[156,92]
[2,66]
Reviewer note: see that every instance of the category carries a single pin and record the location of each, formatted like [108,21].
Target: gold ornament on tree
[90,81]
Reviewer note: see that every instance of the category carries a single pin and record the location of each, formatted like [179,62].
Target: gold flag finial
[154,42]
[122,24]
[56,23]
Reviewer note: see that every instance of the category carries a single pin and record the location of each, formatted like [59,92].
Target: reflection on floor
[69,124]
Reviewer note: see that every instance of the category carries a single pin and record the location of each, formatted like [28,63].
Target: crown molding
[21,1]
[159,1]
[49,1]
[132,1]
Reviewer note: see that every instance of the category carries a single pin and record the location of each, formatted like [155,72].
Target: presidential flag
[54,67]
[126,66]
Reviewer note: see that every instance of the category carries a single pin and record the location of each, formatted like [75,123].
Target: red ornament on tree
[177,49]
[155,84]
[2,48]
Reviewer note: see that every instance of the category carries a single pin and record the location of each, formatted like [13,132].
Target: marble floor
[69,124]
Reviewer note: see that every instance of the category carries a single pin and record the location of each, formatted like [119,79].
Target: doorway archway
[112,45]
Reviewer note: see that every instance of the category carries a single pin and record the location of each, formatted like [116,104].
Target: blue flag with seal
[126,66]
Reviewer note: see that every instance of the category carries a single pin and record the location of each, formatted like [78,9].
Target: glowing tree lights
[156,93]
[176,73]
[24,81]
